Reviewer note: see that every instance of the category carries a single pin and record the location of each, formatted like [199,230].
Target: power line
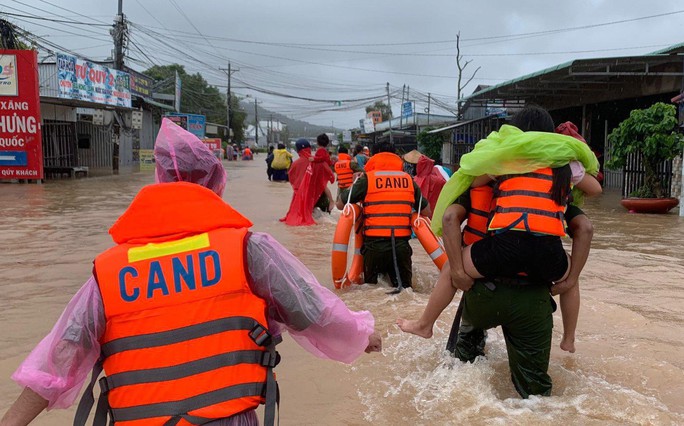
[54,20]
[414,43]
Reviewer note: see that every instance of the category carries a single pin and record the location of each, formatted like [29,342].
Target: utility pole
[270,129]
[119,35]
[428,109]
[401,117]
[256,123]
[389,108]
[229,73]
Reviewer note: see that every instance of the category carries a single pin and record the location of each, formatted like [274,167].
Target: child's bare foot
[568,344]
[414,327]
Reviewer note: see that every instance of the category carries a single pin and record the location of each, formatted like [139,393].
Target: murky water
[628,369]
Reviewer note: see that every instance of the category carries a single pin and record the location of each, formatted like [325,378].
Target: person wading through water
[184,312]
[389,196]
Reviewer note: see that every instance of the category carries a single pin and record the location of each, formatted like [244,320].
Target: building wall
[57,112]
[98,157]
[149,131]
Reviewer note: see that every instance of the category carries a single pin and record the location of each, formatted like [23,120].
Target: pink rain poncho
[317,319]
[180,156]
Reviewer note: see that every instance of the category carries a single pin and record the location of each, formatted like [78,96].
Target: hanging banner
[21,147]
[85,81]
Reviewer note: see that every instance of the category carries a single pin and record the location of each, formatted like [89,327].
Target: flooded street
[628,368]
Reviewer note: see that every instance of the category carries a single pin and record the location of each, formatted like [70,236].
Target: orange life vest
[344,172]
[523,202]
[183,338]
[481,204]
[390,197]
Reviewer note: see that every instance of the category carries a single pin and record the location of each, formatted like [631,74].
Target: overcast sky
[347,50]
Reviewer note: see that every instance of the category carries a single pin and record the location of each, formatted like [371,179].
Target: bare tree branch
[472,77]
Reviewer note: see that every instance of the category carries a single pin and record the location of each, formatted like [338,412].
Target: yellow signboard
[146,159]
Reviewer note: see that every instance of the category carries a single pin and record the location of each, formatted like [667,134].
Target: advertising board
[193,123]
[21,147]
[86,81]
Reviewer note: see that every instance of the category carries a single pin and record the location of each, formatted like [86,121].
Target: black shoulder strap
[87,401]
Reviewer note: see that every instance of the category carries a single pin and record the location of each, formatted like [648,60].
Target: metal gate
[60,146]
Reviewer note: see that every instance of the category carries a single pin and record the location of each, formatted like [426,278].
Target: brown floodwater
[628,368]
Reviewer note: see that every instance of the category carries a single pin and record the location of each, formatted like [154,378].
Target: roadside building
[95,120]
[596,94]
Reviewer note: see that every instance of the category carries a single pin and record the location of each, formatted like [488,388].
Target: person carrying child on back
[527,222]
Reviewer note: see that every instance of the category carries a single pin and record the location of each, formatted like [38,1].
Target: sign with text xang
[21,147]
[86,81]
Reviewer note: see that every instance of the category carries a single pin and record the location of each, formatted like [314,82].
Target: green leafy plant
[653,133]
[430,144]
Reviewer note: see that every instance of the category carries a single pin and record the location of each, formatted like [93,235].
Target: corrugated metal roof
[524,77]
[585,67]
[675,48]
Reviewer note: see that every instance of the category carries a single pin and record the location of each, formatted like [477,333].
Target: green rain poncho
[512,151]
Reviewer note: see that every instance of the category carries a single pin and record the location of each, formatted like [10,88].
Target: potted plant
[652,132]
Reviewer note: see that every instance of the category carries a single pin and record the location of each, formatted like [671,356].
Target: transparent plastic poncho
[181,157]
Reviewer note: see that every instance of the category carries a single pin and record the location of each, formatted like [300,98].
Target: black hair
[358,149]
[322,140]
[383,147]
[271,148]
[533,118]
[342,150]
[560,189]
[281,146]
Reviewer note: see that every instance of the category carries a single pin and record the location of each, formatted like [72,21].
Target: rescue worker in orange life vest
[185,310]
[389,196]
[345,169]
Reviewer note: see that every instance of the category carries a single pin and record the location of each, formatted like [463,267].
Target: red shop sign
[21,147]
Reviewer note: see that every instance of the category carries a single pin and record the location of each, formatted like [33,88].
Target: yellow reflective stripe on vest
[154,250]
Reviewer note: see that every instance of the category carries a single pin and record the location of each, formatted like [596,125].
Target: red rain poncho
[429,180]
[308,181]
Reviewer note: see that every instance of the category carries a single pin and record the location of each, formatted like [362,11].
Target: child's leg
[441,296]
[570,304]
[468,265]
[582,232]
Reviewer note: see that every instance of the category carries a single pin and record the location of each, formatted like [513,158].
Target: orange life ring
[429,241]
[341,276]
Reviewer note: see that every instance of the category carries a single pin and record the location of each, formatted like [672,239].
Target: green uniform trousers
[378,259]
[525,315]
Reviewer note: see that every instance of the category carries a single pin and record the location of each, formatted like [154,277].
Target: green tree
[651,132]
[430,144]
[383,108]
[198,97]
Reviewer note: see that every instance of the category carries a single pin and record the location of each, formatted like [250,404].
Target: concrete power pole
[389,108]
[229,72]
[119,35]
[256,123]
